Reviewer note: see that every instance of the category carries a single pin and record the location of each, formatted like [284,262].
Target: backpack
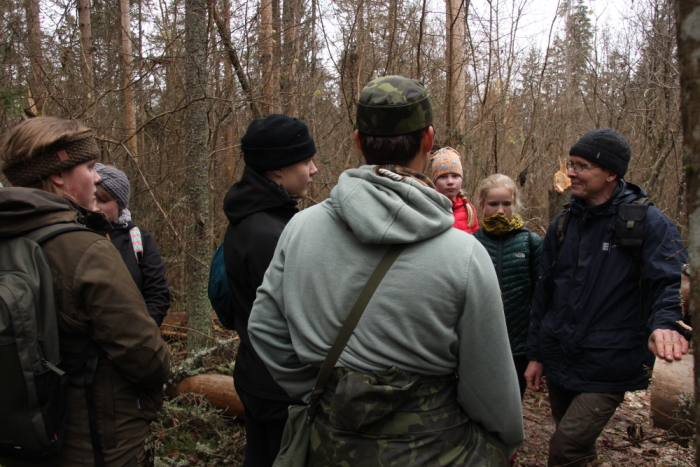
[33,402]
[218,290]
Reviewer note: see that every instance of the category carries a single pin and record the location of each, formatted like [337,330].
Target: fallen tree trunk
[218,389]
[672,395]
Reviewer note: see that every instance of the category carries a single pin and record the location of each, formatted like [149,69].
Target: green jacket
[97,300]
[437,311]
[516,257]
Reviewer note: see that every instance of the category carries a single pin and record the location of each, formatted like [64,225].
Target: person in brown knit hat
[50,163]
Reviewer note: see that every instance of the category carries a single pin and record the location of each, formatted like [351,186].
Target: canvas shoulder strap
[349,326]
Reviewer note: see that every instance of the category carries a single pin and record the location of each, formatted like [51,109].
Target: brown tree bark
[197,182]
[290,16]
[269,78]
[456,84]
[37,93]
[688,33]
[86,59]
[128,87]
[225,34]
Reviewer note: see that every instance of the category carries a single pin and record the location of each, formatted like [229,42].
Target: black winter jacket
[257,210]
[590,319]
[516,257]
[149,274]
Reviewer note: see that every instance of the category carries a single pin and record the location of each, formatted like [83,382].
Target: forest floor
[629,439]
[192,433]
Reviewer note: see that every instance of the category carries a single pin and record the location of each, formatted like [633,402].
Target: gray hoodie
[438,310]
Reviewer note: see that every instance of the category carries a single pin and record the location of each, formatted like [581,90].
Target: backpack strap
[44,234]
[137,243]
[560,232]
[348,327]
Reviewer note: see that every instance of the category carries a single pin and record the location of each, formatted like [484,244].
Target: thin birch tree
[197,178]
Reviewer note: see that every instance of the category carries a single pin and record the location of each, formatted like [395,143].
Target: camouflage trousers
[393,418]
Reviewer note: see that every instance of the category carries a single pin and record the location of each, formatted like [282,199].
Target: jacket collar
[624,193]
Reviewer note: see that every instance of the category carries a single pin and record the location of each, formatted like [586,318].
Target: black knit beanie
[276,141]
[605,147]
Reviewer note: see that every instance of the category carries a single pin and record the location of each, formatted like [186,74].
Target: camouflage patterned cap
[393,105]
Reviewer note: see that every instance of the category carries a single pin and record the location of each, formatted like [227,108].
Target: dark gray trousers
[580,419]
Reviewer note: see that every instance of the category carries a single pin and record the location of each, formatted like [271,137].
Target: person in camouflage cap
[393,105]
[427,377]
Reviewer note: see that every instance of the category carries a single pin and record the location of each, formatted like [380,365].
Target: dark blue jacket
[590,319]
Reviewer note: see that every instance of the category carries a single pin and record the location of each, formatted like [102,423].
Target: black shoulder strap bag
[297,431]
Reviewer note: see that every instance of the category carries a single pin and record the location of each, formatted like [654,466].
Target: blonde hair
[497,181]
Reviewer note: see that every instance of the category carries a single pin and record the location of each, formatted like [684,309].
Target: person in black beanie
[601,315]
[278,153]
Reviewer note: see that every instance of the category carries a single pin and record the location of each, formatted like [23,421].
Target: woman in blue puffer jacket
[515,252]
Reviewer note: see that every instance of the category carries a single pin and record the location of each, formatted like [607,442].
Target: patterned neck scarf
[124,218]
[406,172]
[499,224]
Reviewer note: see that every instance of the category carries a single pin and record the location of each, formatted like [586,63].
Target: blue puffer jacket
[590,320]
[516,257]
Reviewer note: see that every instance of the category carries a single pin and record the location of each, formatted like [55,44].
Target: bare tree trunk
[421,25]
[37,92]
[687,13]
[456,86]
[127,58]
[290,16]
[197,248]
[269,77]
[86,58]
[225,34]
[228,125]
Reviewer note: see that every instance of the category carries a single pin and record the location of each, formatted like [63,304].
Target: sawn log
[218,389]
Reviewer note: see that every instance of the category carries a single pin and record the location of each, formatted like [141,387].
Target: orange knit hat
[446,161]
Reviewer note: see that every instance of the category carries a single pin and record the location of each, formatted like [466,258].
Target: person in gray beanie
[603,308]
[278,153]
[136,246]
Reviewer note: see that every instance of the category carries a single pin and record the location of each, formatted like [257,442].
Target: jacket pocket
[613,355]
[149,403]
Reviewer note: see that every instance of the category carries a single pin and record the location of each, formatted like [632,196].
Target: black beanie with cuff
[605,147]
[276,141]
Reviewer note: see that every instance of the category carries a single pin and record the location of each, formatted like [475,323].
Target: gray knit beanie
[115,183]
[605,147]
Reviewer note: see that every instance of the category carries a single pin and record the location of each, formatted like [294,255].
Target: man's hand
[533,375]
[665,343]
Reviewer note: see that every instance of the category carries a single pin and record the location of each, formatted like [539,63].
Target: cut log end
[671,396]
[218,389]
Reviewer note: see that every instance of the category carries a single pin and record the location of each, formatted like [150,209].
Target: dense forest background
[169,87]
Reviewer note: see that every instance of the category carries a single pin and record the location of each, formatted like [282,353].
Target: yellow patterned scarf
[499,224]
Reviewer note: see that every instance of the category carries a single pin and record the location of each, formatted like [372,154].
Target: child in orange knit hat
[447,176]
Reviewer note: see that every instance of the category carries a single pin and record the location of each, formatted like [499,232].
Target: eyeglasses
[579,167]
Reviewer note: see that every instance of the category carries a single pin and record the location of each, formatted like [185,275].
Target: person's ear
[57,179]
[356,136]
[428,138]
[611,175]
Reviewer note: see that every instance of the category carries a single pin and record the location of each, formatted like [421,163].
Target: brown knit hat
[64,154]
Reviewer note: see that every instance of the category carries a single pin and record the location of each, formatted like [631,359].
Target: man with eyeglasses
[601,313]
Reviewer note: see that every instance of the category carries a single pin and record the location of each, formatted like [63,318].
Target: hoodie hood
[380,209]
[255,193]
[24,209]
